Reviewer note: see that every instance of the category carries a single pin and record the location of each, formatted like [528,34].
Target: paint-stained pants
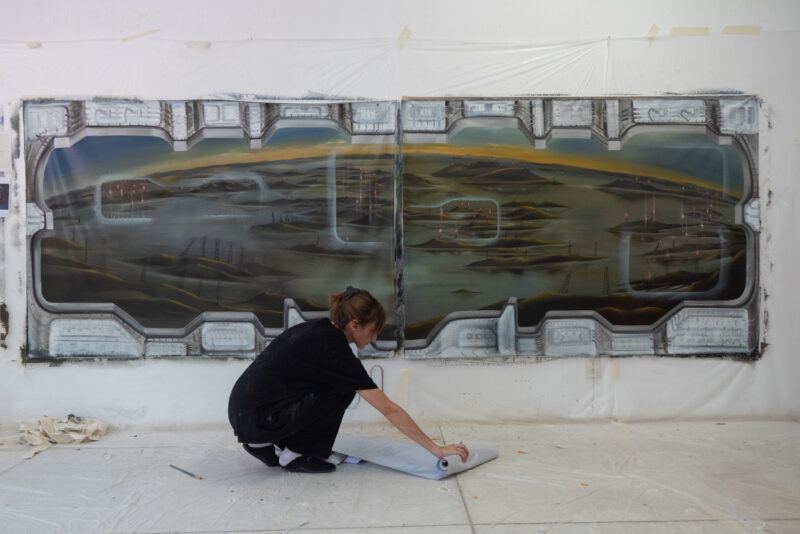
[307,426]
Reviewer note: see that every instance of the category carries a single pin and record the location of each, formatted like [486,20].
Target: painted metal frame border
[49,124]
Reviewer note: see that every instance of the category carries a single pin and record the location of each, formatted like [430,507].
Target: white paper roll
[409,457]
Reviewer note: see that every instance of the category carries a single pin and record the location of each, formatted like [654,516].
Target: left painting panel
[225,226]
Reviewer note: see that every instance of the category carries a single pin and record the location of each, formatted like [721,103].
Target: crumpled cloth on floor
[47,431]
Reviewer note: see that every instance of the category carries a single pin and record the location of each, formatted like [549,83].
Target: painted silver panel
[529,346]
[632,344]
[180,121]
[217,337]
[305,111]
[702,330]
[477,337]
[221,114]
[123,113]
[507,330]
[738,116]
[374,117]
[489,108]
[568,113]
[160,349]
[752,214]
[569,337]
[424,116]
[462,338]
[294,317]
[537,108]
[35,217]
[612,119]
[92,337]
[255,120]
[668,111]
[46,120]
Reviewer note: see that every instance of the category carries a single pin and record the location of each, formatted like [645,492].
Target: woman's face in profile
[362,335]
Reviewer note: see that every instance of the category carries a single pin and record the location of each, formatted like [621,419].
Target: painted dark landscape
[168,235]
[629,237]
[216,233]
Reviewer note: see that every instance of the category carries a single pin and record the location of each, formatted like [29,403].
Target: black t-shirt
[305,358]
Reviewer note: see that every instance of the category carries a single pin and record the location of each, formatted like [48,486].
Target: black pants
[308,425]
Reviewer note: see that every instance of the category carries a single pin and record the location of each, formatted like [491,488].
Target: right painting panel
[628,234]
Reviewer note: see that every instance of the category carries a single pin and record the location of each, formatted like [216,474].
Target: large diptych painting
[486,228]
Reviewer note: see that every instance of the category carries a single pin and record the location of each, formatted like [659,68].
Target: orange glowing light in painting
[495,152]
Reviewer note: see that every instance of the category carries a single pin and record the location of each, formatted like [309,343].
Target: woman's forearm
[400,419]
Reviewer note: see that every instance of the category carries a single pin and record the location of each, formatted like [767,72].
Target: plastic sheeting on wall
[208,53]
[374,68]
[603,218]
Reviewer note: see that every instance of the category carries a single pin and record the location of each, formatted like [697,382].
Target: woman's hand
[449,450]
[400,419]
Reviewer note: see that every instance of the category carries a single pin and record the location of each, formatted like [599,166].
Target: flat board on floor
[409,457]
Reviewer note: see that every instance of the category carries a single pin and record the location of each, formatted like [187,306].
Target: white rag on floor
[47,431]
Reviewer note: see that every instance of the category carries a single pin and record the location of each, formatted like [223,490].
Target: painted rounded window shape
[628,234]
[166,236]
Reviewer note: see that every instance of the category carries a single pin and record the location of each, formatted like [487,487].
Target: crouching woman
[288,405]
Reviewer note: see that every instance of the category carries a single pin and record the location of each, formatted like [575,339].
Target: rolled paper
[409,457]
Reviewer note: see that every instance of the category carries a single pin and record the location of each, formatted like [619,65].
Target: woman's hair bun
[358,304]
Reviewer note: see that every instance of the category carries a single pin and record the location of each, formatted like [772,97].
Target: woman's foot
[309,464]
[265,454]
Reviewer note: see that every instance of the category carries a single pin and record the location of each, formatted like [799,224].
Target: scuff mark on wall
[139,35]
[403,38]
[3,325]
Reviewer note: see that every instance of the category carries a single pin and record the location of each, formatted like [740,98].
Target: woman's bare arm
[400,419]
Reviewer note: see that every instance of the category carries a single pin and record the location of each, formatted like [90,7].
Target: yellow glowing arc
[270,154]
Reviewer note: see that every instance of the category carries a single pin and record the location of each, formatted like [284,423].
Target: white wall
[385,49]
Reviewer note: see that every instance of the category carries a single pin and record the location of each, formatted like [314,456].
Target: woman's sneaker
[265,454]
[309,464]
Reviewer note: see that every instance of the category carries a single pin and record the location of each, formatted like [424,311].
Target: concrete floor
[654,478]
